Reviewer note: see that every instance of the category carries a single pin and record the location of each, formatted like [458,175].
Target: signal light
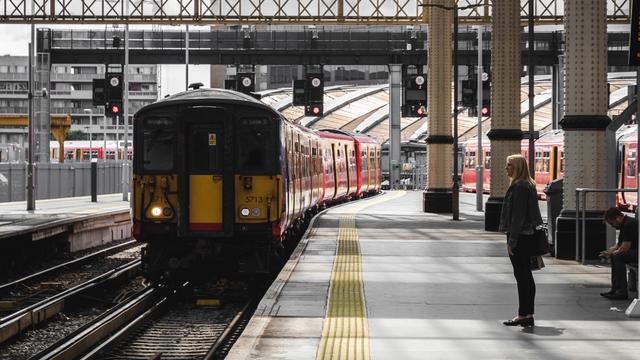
[485,110]
[313,109]
[113,108]
[420,111]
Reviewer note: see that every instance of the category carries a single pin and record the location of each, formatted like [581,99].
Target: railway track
[84,294]
[156,324]
[16,286]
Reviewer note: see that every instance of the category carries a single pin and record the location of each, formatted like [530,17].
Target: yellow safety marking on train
[345,333]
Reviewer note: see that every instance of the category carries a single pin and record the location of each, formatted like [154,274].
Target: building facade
[70,94]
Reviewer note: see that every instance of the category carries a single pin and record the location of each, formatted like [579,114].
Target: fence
[59,180]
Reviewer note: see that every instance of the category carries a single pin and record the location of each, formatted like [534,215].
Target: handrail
[581,215]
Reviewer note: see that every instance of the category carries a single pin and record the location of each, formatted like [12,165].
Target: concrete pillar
[506,133]
[584,122]
[437,196]
[395,94]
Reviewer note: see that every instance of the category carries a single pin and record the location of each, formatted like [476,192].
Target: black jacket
[520,213]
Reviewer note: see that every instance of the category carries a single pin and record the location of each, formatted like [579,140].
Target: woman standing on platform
[519,218]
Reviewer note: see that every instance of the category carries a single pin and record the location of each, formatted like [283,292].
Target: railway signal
[98,92]
[469,93]
[246,82]
[113,108]
[486,95]
[415,96]
[314,109]
[314,86]
[113,82]
[485,110]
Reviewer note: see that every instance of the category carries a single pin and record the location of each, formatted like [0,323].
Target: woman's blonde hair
[520,169]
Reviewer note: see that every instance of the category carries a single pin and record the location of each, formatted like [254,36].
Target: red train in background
[549,163]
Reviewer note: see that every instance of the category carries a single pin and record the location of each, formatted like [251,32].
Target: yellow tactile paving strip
[345,332]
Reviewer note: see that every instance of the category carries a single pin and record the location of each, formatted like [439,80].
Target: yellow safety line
[345,333]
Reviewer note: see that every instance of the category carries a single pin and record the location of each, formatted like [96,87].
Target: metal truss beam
[283,47]
[289,12]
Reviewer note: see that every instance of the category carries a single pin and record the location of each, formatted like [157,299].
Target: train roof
[333,135]
[203,96]
[358,136]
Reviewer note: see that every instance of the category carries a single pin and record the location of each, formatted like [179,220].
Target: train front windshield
[255,146]
[159,138]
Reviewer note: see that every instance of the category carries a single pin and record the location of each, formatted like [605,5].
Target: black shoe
[608,293]
[524,322]
[617,296]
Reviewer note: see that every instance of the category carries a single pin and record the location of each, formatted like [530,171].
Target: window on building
[21,69]
[4,69]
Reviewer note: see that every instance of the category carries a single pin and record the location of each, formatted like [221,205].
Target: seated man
[625,251]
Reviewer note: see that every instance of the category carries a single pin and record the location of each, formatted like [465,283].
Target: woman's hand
[509,250]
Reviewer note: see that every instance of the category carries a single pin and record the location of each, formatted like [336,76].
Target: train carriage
[548,157]
[223,183]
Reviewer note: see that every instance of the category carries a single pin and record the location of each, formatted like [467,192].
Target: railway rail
[72,264]
[155,324]
[46,308]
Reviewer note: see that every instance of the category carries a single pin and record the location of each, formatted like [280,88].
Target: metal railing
[581,216]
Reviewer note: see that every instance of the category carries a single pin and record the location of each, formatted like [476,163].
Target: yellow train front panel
[257,197]
[205,203]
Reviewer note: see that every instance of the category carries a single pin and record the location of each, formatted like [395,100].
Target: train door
[208,172]
[347,157]
[336,170]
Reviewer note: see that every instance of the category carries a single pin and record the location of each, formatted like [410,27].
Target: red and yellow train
[225,183]
[549,163]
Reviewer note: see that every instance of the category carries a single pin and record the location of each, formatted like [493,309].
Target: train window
[472,160]
[631,163]
[255,150]
[158,139]
[487,160]
[203,150]
[545,165]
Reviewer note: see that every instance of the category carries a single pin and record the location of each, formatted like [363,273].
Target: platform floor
[380,279]
[16,220]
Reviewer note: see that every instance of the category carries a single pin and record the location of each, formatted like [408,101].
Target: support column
[506,133]
[584,123]
[395,94]
[438,196]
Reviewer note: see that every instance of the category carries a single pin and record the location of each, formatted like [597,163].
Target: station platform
[380,279]
[86,223]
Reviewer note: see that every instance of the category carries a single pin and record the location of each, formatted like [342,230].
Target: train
[225,184]
[549,163]
[79,150]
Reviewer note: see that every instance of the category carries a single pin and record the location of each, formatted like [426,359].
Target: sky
[15,40]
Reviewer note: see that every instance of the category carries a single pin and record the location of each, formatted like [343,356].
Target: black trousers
[521,262]
[619,269]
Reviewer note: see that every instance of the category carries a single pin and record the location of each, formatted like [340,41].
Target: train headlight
[167,211]
[244,212]
[156,211]
[255,212]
